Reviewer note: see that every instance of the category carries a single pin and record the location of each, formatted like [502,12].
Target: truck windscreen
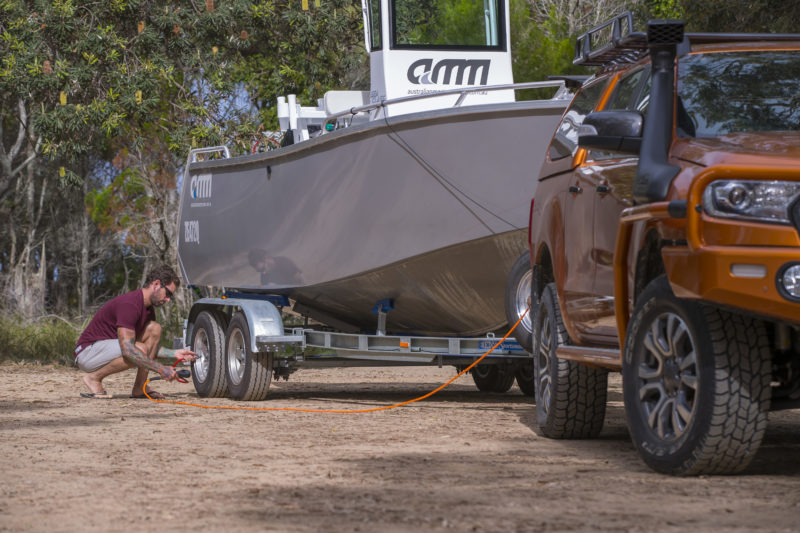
[729,92]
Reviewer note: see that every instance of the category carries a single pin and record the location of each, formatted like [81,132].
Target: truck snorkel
[654,174]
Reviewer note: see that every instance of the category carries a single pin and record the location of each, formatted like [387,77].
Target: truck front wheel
[570,397]
[696,384]
[248,373]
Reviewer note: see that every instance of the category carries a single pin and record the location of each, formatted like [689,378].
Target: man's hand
[168,373]
[185,354]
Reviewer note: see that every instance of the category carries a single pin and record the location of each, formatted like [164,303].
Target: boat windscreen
[448,24]
[375,24]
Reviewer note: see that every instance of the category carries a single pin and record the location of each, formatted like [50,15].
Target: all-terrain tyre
[526,378]
[208,370]
[570,397]
[492,378]
[248,373]
[518,293]
[696,384]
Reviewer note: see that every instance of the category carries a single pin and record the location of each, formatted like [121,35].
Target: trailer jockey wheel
[526,378]
[208,370]
[248,373]
[492,378]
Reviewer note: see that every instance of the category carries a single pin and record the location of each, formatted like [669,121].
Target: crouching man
[124,334]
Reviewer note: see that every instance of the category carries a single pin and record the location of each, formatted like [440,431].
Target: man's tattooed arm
[167,352]
[133,355]
[183,354]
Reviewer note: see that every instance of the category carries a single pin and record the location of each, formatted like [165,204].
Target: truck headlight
[763,201]
[788,281]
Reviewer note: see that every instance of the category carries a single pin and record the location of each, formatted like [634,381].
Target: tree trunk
[83,268]
[27,276]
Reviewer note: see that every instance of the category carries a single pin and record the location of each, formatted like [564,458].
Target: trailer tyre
[248,374]
[526,378]
[208,370]
[570,396]
[696,384]
[492,378]
[518,293]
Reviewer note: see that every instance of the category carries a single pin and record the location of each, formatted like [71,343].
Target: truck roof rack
[610,43]
[614,42]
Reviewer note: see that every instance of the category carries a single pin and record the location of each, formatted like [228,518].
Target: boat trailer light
[788,281]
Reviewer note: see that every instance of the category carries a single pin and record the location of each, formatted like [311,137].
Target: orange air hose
[354,411]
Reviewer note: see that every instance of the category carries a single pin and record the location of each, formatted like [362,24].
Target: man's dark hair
[165,274]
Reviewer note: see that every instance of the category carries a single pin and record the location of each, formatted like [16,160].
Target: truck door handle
[574,189]
[603,189]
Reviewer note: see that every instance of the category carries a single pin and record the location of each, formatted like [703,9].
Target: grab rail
[463,93]
[209,150]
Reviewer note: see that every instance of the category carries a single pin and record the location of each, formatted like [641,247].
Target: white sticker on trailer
[191,231]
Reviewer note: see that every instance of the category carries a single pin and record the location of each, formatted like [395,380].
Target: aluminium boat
[411,199]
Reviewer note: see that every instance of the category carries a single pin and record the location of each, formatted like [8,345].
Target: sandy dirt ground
[460,461]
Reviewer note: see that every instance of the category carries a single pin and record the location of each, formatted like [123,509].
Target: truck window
[631,93]
[628,92]
[565,140]
[729,92]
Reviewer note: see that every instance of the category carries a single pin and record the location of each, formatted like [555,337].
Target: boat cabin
[424,55]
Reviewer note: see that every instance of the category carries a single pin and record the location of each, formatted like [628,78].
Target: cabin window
[448,24]
[375,24]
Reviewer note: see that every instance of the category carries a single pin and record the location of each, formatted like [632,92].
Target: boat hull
[427,210]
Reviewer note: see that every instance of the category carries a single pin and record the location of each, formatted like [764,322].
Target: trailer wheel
[208,370]
[518,293]
[248,374]
[526,378]
[570,397]
[492,378]
[696,384]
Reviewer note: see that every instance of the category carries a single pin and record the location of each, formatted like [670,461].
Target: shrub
[48,340]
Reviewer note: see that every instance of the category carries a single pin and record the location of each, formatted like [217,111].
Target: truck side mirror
[612,131]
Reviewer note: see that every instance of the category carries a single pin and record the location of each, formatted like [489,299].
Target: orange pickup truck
[665,244]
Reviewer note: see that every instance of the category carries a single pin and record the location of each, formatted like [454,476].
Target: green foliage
[750,16]
[46,340]
[447,22]
[98,70]
[662,9]
[540,48]
[302,52]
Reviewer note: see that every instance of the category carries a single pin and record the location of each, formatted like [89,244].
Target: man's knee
[152,331]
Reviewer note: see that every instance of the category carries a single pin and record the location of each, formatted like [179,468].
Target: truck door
[577,195]
[610,177]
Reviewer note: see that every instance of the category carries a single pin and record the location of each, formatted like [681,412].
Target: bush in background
[47,340]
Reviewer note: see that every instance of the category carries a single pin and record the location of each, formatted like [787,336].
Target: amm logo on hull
[201,186]
[449,71]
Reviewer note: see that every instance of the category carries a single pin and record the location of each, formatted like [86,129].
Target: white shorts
[98,355]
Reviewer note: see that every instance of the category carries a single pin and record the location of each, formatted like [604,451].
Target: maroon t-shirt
[125,311]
